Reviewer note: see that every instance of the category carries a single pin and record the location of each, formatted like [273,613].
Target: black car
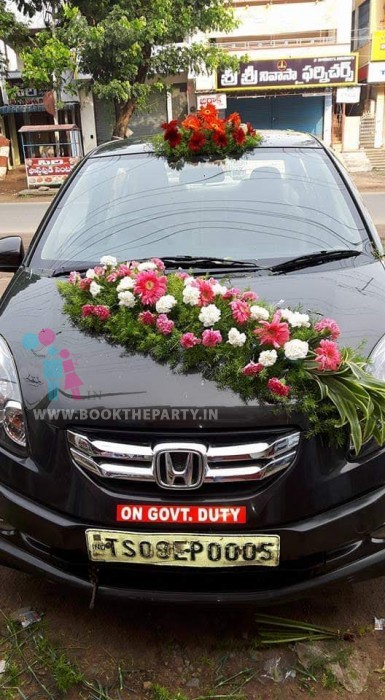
[105,467]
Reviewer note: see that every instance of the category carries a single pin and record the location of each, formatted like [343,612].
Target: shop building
[299,55]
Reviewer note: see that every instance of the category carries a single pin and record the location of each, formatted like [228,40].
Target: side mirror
[11,253]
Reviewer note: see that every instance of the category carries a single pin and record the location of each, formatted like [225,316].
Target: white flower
[95,289]
[165,304]
[209,315]
[148,265]
[296,319]
[219,289]
[259,313]
[268,358]
[125,283]
[90,274]
[191,296]
[296,349]
[108,260]
[187,281]
[236,338]
[127,299]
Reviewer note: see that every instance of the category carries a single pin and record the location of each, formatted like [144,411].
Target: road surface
[24,217]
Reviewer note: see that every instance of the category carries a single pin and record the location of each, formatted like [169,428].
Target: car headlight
[12,420]
[376,365]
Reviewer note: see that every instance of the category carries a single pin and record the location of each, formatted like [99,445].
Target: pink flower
[87,310]
[159,263]
[123,271]
[277,387]
[164,324]
[84,283]
[240,310]
[147,318]
[99,270]
[150,287]
[252,369]
[273,333]
[133,264]
[328,324]
[102,312]
[182,275]
[211,338]
[249,296]
[74,278]
[233,292]
[189,340]
[328,356]
[112,277]
[207,295]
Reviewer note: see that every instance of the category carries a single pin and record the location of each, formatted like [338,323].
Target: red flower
[277,387]
[328,356]
[273,333]
[147,318]
[239,136]
[150,287]
[250,130]
[169,125]
[87,310]
[84,283]
[191,122]
[211,338]
[197,141]
[220,139]
[164,324]
[102,312]
[240,310]
[189,340]
[234,119]
[207,295]
[252,369]
[173,136]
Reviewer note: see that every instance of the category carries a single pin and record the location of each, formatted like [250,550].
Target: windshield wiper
[323,256]
[65,270]
[187,261]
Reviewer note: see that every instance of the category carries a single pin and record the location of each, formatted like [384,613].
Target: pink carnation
[249,296]
[328,356]
[87,310]
[112,277]
[74,277]
[99,270]
[182,275]
[124,271]
[273,333]
[102,312]
[252,369]
[84,283]
[211,338]
[150,287]
[133,264]
[328,324]
[147,318]
[231,293]
[277,387]
[159,263]
[189,340]
[164,324]
[240,310]
[207,294]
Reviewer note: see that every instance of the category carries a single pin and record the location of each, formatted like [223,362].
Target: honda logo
[180,466]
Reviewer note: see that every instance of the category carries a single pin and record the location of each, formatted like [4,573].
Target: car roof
[271,139]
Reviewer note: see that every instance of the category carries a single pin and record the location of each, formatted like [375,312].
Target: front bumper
[338,545]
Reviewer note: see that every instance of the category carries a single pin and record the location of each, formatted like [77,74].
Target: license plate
[182,549]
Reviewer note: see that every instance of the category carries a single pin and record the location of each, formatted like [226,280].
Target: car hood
[108,377]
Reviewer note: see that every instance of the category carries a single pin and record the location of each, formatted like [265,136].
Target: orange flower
[216,125]
[208,113]
[191,122]
[234,119]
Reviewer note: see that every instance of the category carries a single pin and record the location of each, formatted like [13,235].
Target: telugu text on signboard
[290,72]
[48,171]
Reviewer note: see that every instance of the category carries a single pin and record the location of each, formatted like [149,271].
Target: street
[24,217]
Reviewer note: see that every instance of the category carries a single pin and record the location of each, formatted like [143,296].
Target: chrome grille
[222,464]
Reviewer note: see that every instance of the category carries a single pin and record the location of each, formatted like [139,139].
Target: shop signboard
[49,170]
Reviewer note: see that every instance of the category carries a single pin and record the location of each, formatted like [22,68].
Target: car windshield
[271,204]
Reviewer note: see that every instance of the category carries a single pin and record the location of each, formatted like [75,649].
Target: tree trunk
[126,111]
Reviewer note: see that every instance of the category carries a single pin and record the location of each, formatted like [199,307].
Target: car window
[269,204]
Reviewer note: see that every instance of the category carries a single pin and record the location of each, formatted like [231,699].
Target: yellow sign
[378,45]
[182,549]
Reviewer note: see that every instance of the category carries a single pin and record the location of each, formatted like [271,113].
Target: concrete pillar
[328,118]
[16,160]
[379,114]
[4,156]
[87,117]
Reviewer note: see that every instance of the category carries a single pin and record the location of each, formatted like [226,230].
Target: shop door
[289,112]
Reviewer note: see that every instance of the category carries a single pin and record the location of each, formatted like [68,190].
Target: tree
[11,31]
[131,47]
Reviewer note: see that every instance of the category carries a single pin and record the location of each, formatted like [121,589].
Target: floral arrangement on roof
[204,133]
[259,351]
